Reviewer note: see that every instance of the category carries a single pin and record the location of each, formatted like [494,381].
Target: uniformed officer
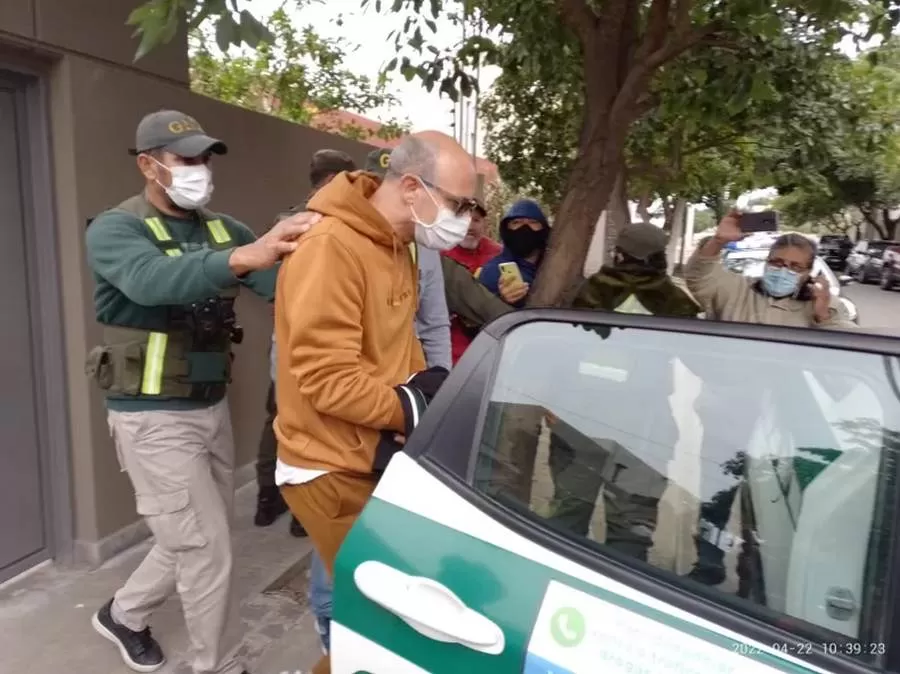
[167,272]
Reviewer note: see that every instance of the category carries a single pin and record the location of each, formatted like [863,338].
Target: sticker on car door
[576,632]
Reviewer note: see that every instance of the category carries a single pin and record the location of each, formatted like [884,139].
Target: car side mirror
[845,280]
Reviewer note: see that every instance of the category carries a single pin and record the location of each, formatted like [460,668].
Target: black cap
[174,132]
[378,161]
[326,163]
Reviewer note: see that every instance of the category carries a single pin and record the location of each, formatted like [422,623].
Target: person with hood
[351,378]
[525,232]
[636,283]
[324,165]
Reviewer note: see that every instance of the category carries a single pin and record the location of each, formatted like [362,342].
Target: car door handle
[430,608]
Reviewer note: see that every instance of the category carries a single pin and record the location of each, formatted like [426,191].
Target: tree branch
[657,27]
[578,16]
[677,43]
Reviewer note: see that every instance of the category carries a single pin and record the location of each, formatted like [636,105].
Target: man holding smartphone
[787,294]
[525,232]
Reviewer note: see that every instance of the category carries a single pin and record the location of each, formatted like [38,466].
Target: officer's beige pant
[181,465]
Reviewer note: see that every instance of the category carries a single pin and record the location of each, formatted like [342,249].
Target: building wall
[92,28]
[97,96]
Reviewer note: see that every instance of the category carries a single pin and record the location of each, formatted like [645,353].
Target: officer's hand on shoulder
[273,245]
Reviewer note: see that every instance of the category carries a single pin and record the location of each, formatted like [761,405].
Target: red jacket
[472,260]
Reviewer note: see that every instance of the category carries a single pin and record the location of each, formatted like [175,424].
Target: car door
[596,492]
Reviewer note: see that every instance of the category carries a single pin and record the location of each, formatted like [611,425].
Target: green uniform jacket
[467,298]
[136,282]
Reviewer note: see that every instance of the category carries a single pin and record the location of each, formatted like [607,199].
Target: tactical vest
[174,363]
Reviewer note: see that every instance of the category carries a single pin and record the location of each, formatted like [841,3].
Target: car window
[752,470]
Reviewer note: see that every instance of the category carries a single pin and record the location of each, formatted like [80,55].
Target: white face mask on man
[192,186]
[447,229]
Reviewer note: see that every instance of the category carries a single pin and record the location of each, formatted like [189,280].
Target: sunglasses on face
[460,206]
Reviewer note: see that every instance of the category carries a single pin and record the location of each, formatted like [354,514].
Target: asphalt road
[879,311]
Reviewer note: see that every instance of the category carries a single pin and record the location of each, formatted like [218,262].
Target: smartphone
[764,221]
[510,271]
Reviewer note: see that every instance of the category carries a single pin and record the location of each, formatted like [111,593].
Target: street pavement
[879,310]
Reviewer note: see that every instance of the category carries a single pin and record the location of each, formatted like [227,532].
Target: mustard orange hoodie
[344,310]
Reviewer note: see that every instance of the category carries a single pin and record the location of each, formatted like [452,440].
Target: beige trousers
[181,465]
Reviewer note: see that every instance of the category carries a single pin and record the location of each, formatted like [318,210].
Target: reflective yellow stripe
[158,228]
[218,231]
[414,252]
[153,363]
[173,252]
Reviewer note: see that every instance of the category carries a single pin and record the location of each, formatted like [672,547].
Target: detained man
[351,373]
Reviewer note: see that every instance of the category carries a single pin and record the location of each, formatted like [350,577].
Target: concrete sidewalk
[45,616]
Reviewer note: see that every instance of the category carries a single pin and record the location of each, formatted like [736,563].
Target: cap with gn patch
[378,161]
[174,132]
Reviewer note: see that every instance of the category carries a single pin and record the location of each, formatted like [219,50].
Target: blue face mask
[780,282]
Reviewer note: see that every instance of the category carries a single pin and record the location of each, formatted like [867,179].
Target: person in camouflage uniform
[636,282]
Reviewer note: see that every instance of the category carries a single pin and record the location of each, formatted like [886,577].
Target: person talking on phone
[786,294]
[524,231]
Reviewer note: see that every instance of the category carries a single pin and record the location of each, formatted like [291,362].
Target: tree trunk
[590,188]
[643,207]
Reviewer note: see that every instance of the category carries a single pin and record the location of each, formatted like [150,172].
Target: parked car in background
[834,249]
[864,261]
[752,264]
[890,268]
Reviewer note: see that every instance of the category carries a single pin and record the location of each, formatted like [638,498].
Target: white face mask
[447,230]
[192,186]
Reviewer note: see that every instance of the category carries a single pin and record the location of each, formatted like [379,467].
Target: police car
[463,562]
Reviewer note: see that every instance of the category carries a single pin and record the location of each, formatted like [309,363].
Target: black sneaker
[269,506]
[297,529]
[139,650]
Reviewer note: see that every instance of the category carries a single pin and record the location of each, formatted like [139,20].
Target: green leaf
[416,41]
[226,32]
[448,88]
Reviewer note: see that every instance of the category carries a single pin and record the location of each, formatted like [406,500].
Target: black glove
[428,381]
[417,392]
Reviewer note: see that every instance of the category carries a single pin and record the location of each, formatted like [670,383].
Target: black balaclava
[524,241]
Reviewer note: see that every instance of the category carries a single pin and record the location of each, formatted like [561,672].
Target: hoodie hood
[346,198]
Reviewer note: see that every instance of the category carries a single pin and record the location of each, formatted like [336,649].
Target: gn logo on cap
[384,159]
[184,125]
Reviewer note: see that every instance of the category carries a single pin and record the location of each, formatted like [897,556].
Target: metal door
[23,539]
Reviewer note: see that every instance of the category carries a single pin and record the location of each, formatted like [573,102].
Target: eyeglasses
[797,267]
[459,205]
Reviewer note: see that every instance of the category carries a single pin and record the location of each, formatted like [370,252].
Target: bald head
[436,158]
[428,173]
